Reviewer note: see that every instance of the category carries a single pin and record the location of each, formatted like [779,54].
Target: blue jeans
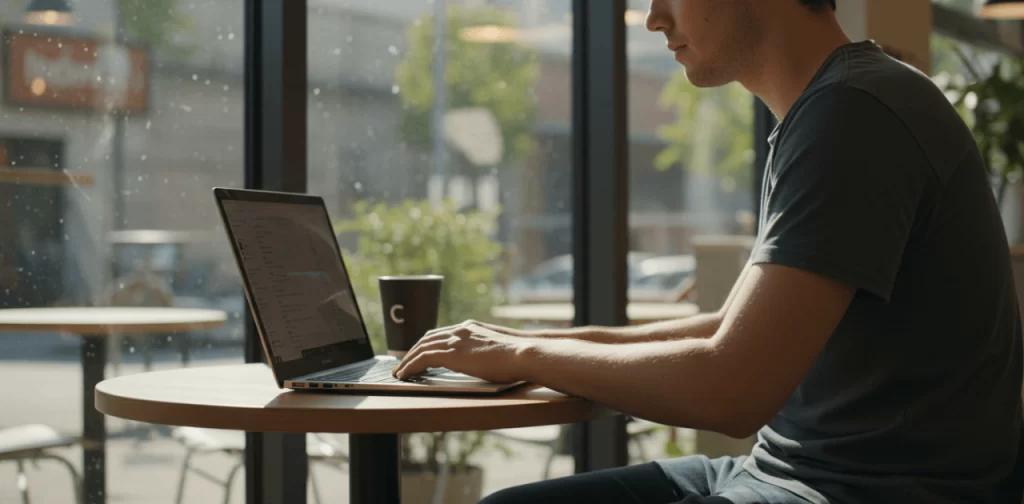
[687,480]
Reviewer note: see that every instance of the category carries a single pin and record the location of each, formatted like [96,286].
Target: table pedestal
[94,428]
[374,469]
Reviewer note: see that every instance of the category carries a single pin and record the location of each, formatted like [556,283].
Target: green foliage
[416,237]
[944,57]
[714,132]
[157,23]
[497,76]
[992,102]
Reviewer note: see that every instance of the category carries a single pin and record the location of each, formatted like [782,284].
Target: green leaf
[727,112]
[672,449]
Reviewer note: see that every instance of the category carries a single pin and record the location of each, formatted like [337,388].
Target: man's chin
[704,79]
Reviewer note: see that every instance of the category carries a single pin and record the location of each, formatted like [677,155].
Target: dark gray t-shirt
[875,181]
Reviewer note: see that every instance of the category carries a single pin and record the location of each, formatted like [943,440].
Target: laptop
[302,300]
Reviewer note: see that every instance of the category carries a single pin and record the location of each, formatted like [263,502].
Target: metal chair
[33,443]
[199,441]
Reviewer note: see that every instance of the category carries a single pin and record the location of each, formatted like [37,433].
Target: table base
[94,427]
[374,469]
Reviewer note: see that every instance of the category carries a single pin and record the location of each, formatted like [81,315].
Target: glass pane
[469,179]
[108,152]
[691,201]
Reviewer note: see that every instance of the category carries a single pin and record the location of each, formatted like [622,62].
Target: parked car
[650,277]
[662,278]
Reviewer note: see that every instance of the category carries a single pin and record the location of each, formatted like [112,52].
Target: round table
[94,325]
[563,313]
[246,397]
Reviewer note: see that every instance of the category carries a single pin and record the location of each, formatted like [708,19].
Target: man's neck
[789,59]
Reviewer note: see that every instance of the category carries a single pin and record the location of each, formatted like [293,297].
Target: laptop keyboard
[371,372]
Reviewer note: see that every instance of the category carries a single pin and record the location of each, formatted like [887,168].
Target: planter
[463,487]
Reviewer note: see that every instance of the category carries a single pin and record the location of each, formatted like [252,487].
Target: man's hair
[819,4]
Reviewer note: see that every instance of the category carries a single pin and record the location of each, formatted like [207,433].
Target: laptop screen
[297,282]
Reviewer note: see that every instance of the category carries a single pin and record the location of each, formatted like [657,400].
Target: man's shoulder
[882,96]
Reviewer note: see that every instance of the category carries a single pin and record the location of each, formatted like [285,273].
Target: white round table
[94,325]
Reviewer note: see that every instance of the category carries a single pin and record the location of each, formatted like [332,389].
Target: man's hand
[508,331]
[468,348]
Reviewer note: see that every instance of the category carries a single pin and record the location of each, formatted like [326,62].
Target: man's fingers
[421,362]
[440,330]
[452,328]
[437,342]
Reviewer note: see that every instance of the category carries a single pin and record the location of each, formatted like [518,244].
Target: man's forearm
[683,383]
[698,326]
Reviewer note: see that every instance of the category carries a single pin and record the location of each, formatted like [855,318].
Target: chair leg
[76,480]
[231,479]
[184,343]
[116,352]
[555,446]
[312,483]
[547,465]
[146,344]
[22,481]
[184,472]
[640,448]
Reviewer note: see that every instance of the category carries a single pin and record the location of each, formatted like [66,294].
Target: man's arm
[774,327]
[703,325]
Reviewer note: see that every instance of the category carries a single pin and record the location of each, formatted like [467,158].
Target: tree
[498,76]
[158,23]
[714,132]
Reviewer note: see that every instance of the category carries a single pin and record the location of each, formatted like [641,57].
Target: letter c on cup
[394,314]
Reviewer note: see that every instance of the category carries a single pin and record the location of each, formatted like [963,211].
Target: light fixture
[49,12]
[1003,9]
[38,86]
[635,17]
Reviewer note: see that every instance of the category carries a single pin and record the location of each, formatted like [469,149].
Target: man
[873,342]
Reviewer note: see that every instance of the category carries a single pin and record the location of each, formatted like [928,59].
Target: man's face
[714,40]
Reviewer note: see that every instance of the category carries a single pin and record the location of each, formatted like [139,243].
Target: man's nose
[657,21]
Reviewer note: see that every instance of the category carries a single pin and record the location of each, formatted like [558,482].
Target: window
[470,179]
[692,196]
[108,152]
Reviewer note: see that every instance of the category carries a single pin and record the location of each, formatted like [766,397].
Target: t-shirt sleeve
[846,183]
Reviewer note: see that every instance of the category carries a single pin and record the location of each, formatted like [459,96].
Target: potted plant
[436,467]
[993,106]
[418,237]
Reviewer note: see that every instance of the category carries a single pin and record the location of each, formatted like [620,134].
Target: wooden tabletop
[564,312]
[245,397]
[43,176]
[107,320]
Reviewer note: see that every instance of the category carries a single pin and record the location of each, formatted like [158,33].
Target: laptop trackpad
[442,376]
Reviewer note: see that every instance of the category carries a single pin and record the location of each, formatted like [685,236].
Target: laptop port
[314,385]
